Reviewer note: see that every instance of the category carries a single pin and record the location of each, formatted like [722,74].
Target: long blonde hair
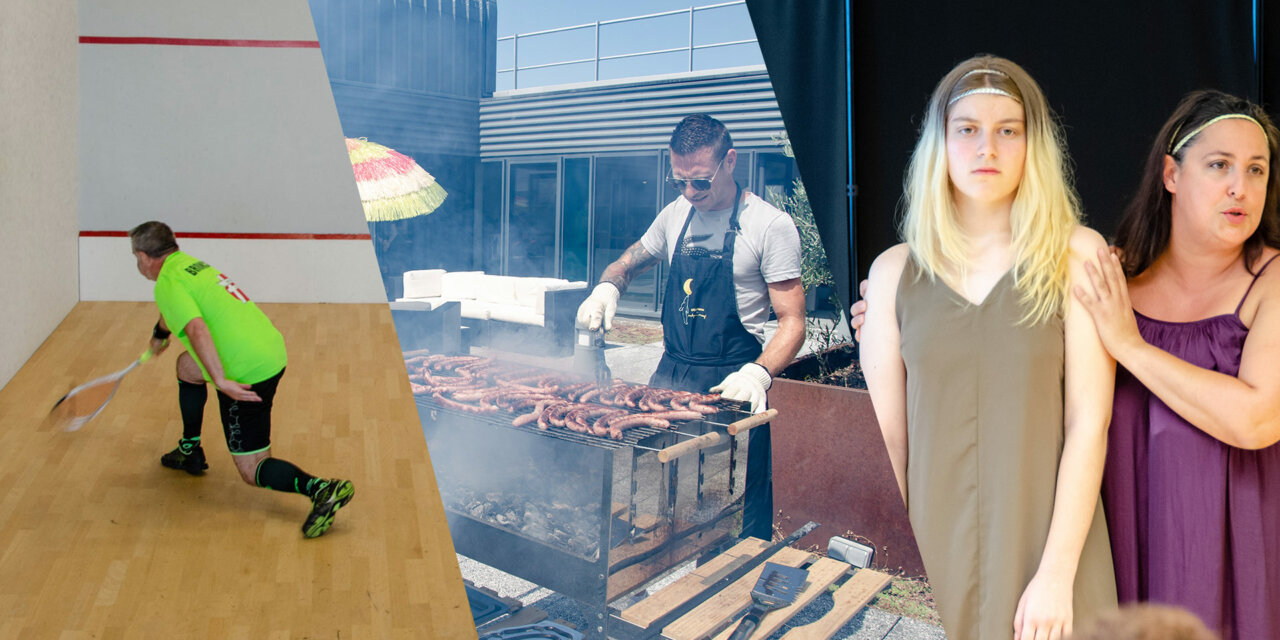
[1045,210]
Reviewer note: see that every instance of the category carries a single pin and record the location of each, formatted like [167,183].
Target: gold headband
[990,90]
[1174,148]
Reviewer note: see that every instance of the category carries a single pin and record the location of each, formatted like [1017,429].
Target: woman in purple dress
[1192,480]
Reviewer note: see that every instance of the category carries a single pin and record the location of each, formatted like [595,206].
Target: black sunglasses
[698,184]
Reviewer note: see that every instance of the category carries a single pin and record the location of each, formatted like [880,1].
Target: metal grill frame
[588,580]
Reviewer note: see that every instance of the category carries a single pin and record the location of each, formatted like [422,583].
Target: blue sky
[713,25]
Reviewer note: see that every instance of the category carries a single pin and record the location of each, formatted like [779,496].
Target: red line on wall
[202,42]
[238,236]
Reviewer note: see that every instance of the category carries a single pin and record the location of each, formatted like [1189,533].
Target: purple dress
[1194,522]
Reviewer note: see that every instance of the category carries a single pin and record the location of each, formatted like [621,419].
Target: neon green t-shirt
[249,346]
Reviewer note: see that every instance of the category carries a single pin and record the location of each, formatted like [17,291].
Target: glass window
[625,192]
[775,176]
[489,240]
[531,237]
[742,170]
[573,235]
[668,195]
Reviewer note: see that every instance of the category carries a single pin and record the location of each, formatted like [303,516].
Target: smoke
[503,488]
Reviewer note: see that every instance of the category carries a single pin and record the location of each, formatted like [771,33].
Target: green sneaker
[193,462]
[334,495]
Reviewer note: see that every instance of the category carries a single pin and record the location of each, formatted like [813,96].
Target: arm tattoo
[631,263]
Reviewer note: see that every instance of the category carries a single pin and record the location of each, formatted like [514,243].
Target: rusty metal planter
[830,465]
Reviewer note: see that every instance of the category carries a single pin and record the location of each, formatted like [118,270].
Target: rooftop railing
[596,58]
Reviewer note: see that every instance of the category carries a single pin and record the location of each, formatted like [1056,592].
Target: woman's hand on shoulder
[1097,282]
[858,312]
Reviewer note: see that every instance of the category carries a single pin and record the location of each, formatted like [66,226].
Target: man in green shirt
[231,343]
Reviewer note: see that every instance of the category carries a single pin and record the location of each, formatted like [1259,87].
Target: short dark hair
[700,131]
[153,238]
[1144,231]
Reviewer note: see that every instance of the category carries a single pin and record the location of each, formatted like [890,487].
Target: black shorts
[247,425]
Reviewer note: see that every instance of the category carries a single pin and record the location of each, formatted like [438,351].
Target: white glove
[747,384]
[600,306]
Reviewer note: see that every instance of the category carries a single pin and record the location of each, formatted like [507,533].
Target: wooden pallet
[715,618]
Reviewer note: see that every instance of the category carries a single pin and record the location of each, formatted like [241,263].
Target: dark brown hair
[1145,621]
[153,238]
[700,131]
[1143,234]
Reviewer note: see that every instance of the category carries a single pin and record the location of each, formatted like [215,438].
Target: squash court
[97,540]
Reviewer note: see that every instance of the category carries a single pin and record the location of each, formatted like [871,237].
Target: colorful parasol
[392,186]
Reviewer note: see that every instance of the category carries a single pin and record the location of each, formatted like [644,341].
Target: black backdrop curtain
[803,47]
[1269,45]
[1112,71]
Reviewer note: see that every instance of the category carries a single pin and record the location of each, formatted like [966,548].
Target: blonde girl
[991,386]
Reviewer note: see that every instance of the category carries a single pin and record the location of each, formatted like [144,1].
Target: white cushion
[475,310]
[489,297]
[530,293]
[425,283]
[499,290]
[461,285]
[516,314]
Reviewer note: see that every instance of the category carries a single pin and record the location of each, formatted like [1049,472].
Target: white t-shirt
[766,251]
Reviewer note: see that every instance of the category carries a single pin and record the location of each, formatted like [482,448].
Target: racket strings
[82,403]
[85,403]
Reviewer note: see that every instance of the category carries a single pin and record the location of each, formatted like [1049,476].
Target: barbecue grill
[586,516]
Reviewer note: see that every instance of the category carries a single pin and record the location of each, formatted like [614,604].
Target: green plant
[909,597]
[815,270]
[822,334]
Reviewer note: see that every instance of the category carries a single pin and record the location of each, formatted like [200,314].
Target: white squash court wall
[38,174]
[216,139]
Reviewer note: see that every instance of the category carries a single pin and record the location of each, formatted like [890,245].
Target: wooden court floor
[97,540]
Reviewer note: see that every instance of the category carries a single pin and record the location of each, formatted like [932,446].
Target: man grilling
[732,256]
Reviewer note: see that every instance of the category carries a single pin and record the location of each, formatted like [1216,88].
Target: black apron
[705,341]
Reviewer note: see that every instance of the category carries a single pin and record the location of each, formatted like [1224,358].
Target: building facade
[545,181]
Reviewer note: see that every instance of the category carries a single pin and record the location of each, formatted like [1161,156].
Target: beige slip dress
[984,437]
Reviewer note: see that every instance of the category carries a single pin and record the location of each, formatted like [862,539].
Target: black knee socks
[191,399]
[282,475]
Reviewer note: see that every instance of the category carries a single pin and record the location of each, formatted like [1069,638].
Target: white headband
[990,90]
[1174,148]
[991,71]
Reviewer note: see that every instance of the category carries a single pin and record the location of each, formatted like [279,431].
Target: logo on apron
[687,311]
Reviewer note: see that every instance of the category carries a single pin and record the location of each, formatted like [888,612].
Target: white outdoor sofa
[507,312]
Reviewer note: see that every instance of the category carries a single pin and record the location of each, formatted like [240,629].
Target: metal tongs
[604,377]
